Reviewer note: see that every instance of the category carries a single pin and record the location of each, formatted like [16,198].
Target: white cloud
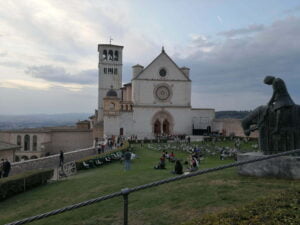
[25,84]
[220,19]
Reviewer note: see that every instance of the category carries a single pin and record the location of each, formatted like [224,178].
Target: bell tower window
[104,55]
[116,57]
[110,55]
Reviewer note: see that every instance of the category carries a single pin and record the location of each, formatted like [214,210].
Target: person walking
[127,160]
[61,158]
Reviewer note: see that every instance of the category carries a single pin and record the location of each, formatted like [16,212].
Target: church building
[156,102]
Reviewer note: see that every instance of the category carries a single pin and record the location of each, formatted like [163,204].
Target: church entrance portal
[157,126]
[162,123]
[166,128]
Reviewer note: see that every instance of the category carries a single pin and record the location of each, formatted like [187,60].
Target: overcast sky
[48,49]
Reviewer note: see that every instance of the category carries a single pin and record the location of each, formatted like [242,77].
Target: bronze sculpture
[278,122]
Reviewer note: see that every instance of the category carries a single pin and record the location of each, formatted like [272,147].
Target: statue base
[287,167]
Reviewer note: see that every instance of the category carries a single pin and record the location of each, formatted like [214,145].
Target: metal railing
[126,191]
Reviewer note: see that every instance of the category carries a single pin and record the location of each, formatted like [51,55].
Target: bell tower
[109,72]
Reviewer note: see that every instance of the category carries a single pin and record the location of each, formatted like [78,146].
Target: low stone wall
[50,162]
[287,167]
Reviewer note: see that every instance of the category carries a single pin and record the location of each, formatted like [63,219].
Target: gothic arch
[157,127]
[162,123]
[26,142]
[19,140]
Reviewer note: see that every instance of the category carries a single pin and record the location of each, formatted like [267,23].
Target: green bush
[19,183]
[91,160]
[282,208]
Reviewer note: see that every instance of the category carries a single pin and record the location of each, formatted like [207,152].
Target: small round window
[162,72]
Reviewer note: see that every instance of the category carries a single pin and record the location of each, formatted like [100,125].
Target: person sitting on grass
[161,164]
[172,157]
[167,156]
[193,164]
[178,168]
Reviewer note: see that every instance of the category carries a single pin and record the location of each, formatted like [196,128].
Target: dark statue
[278,122]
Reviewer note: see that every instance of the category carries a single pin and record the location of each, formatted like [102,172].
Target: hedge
[22,182]
[280,208]
[91,160]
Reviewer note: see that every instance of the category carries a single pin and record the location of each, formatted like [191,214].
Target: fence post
[125,193]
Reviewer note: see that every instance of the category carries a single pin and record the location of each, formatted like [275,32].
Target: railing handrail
[126,191]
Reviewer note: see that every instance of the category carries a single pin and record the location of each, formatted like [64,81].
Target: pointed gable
[162,61]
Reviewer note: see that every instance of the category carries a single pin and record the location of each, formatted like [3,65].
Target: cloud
[3,54]
[293,10]
[220,19]
[242,31]
[59,74]
[236,66]
[56,100]
[20,84]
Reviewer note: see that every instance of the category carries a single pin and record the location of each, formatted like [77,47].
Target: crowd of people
[192,162]
[180,142]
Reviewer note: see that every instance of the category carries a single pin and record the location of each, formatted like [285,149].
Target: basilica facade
[156,102]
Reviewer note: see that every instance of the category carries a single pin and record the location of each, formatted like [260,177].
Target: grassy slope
[167,204]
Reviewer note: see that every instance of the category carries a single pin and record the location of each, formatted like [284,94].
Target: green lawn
[167,204]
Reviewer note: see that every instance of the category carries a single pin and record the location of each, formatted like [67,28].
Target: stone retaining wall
[50,162]
[287,167]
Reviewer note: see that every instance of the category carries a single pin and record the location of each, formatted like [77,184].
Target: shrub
[20,183]
[280,208]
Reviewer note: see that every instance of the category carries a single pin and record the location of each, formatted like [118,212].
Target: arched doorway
[157,126]
[162,123]
[166,127]
[121,131]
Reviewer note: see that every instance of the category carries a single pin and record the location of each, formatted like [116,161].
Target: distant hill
[231,114]
[8,122]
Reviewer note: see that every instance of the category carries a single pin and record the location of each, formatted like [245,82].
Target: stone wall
[287,167]
[228,126]
[8,154]
[50,161]
[67,141]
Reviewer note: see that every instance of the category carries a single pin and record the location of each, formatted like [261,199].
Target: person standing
[102,147]
[61,158]
[127,160]
[6,168]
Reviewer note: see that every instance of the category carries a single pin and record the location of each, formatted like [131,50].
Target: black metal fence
[126,191]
